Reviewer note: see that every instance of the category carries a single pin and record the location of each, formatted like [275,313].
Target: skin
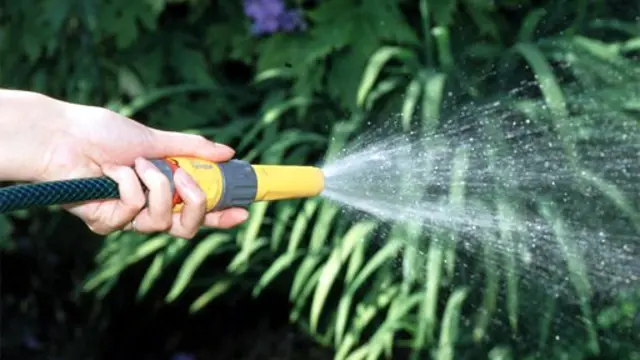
[45,139]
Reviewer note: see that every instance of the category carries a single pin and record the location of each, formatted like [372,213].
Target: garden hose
[235,183]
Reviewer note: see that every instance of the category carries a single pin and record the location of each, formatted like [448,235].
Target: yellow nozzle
[238,183]
[283,182]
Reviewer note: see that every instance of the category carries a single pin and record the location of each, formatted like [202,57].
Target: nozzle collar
[240,184]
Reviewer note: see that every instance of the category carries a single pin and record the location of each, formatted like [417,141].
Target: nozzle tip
[288,182]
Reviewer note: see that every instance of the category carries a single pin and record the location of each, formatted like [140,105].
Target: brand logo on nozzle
[202,165]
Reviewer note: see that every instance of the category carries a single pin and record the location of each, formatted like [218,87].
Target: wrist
[28,124]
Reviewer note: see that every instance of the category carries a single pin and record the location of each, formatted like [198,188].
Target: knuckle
[98,229]
[128,172]
[200,201]
[101,114]
[114,224]
[136,203]
[95,223]
[213,220]
[185,233]
[132,207]
[199,138]
[163,224]
[160,181]
[105,221]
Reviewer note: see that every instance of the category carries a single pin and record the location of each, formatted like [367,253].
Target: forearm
[24,133]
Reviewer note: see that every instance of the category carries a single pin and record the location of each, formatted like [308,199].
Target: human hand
[69,141]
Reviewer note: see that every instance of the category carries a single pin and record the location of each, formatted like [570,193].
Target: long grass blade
[207,247]
[359,232]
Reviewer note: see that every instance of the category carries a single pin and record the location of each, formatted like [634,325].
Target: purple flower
[292,20]
[264,8]
[183,356]
[270,16]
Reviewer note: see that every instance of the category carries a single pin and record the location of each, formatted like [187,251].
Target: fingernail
[224,148]
[143,164]
[108,170]
[146,168]
[243,216]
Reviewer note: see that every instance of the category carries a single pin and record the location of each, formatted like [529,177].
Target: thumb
[168,143]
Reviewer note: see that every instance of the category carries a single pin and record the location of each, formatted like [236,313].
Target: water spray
[235,183]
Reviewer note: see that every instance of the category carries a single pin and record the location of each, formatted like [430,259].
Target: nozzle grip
[168,168]
[240,184]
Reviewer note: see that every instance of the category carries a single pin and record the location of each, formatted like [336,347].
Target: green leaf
[227,39]
[578,270]
[301,300]
[252,227]
[432,98]
[160,262]
[216,290]
[285,211]
[332,267]
[365,312]
[383,256]
[321,231]
[149,247]
[530,24]
[120,19]
[361,25]
[411,97]
[157,6]
[384,87]
[282,263]
[392,26]
[130,249]
[242,261]
[443,11]
[153,273]
[450,325]
[177,116]
[130,83]
[301,224]
[280,50]
[546,79]
[484,16]
[54,14]
[490,289]
[376,64]
[191,64]
[505,212]
[207,247]
[142,102]
[613,194]
[344,75]
[500,353]
[428,308]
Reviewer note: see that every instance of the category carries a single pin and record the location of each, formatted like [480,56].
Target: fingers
[227,218]
[158,215]
[112,215]
[194,213]
[168,143]
[188,222]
